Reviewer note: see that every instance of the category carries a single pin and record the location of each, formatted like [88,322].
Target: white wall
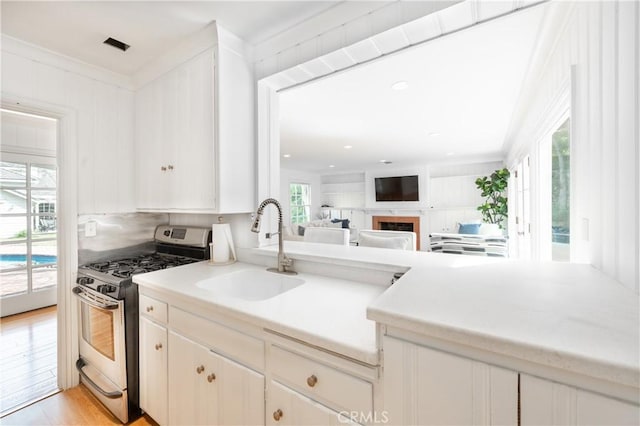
[104,106]
[601,41]
[288,176]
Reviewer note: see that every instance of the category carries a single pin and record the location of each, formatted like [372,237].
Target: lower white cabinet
[544,402]
[425,386]
[288,407]
[208,389]
[153,370]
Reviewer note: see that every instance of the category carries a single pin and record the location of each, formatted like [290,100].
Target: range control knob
[84,280]
[167,233]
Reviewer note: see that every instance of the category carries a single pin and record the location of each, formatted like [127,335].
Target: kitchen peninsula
[475,337]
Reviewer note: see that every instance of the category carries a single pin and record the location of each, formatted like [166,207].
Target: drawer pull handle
[200,369]
[149,308]
[211,377]
[312,380]
[158,346]
[277,415]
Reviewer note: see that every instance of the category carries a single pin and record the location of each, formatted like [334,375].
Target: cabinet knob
[163,168]
[211,377]
[277,415]
[200,369]
[170,167]
[312,380]
[158,346]
[149,308]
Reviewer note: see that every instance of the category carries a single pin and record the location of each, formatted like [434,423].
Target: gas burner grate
[125,268]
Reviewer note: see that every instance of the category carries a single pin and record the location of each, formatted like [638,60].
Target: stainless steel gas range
[108,362]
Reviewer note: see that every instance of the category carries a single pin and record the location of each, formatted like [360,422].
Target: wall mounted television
[397,188]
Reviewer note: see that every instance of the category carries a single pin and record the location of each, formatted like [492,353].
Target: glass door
[28,239]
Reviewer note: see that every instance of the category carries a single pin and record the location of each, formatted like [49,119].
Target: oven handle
[79,292]
[79,365]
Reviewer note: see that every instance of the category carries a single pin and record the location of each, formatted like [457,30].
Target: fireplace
[398,223]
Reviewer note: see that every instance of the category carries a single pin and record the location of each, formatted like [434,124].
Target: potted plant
[493,188]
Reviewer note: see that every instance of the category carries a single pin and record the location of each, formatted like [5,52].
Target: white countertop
[566,316]
[324,312]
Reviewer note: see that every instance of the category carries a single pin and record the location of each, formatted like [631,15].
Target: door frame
[67,216]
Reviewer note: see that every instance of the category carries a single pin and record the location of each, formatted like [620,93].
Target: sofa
[295,232]
[472,239]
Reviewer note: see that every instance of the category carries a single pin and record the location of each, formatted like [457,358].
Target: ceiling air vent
[117,44]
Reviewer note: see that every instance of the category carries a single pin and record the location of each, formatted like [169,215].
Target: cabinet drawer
[153,308]
[334,388]
[245,349]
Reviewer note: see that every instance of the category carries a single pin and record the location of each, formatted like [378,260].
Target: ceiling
[462,91]
[78,28]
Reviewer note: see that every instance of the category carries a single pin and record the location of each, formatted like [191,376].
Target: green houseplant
[493,188]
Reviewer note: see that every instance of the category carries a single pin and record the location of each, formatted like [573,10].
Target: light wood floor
[28,360]
[76,406]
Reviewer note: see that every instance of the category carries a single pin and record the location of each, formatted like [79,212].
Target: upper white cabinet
[194,134]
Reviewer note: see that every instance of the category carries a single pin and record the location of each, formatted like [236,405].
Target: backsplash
[122,235]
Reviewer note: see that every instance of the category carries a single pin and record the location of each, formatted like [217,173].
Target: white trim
[67,214]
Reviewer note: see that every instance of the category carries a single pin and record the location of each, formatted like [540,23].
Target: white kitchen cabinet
[290,408]
[550,403]
[425,386]
[311,387]
[153,370]
[174,138]
[208,389]
[194,134]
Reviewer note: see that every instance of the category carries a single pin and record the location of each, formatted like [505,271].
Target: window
[560,193]
[300,202]
[28,234]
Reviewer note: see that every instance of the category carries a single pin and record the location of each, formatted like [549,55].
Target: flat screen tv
[397,188]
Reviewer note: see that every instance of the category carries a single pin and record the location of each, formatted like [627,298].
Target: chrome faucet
[283,261]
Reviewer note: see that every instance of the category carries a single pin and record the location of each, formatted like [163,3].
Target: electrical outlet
[90,229]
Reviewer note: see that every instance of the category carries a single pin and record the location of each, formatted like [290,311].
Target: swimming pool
[9,260]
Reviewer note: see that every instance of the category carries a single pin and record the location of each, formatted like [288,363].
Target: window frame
[294,218]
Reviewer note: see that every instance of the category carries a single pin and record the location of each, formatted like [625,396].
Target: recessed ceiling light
[400,85]
[287,155]
[348,147]
[385,161]
[331,166]
[433,134]
[449,154]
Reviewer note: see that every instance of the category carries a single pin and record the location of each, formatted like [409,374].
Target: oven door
[102,334]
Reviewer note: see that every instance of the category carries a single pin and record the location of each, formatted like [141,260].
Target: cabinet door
[240,394]
[549,403]
[192,399]
[153,370]
[424,386]
[288,407]
[192,152]
[150,178]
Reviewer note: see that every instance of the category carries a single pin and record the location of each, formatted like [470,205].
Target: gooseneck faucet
[283,261]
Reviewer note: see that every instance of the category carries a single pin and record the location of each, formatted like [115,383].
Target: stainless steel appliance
[108,362]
